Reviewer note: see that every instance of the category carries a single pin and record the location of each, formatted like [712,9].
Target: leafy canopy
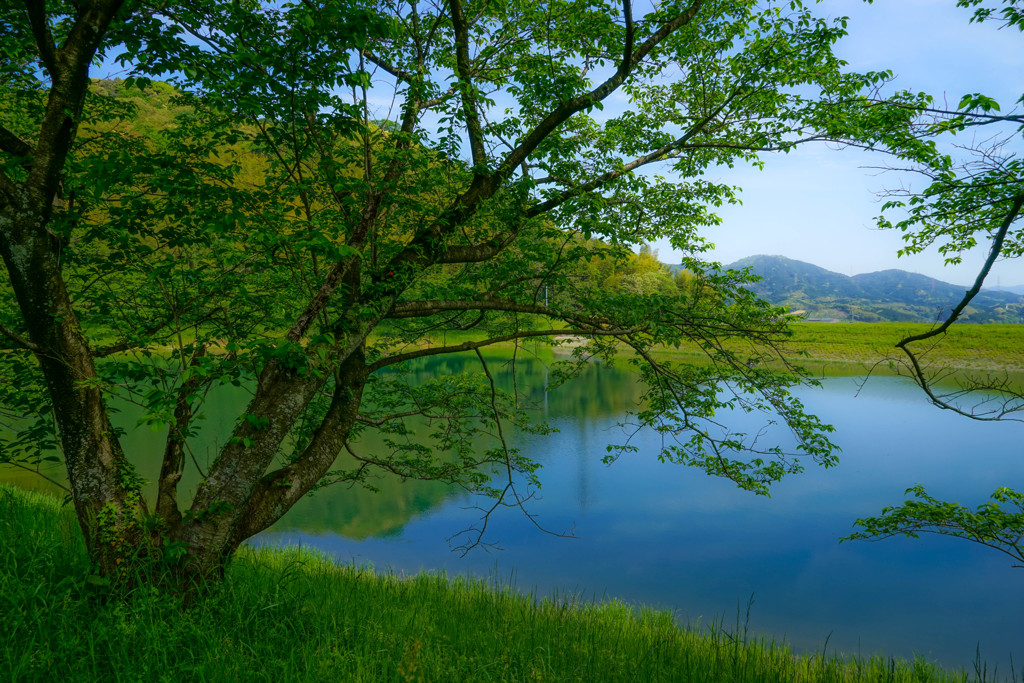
[329,186]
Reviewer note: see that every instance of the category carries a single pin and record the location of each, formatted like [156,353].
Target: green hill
[889,295]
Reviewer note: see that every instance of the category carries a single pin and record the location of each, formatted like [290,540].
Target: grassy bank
[293,616]
[854,348]
[975,347]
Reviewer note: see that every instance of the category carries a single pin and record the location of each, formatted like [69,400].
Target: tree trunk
[104,486]
[244,505]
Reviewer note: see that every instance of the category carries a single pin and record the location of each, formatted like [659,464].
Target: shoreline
[295,615]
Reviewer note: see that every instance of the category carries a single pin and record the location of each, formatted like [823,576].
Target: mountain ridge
[891,295]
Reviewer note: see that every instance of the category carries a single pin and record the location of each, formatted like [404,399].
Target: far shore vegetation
[844,349]
[832,348]
[851,348]
[292,615]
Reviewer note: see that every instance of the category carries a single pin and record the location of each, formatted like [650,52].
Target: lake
[676,539]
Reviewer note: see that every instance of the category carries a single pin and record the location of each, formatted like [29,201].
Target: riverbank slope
[286,615]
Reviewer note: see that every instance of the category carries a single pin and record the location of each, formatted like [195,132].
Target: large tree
[339,182]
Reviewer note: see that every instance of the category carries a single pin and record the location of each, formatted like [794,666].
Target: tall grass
[290,615]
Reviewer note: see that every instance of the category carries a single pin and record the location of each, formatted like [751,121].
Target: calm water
[673,538]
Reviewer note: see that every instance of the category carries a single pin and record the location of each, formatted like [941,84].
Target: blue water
[673,538]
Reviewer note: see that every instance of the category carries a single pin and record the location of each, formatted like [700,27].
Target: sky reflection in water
[671,537]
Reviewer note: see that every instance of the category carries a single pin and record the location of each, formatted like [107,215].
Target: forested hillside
[151,114]
[888,295]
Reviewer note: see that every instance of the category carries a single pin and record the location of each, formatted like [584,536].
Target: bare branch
[477,532]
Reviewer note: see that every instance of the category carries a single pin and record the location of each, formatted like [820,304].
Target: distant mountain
[1016,289]
[888,295]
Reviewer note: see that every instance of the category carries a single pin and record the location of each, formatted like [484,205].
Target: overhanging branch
[918,372]
[474,345]
[420,309]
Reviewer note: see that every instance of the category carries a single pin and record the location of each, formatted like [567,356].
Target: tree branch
[26,344]
[7,187]
[427,246]
[473,128]
[320,299]
[398,73]
[36,472]
[69,69]
[472,346]
[14,145]
[997,246]
[569,107]
[486,250]
[41,32]
[173,463]
[979,118]
[903,344]
[657,155]
[419,309]
[277,491]
[627,13]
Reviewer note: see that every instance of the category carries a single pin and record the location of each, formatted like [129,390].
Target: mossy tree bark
[104,487]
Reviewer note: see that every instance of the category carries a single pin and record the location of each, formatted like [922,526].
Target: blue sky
[819,204]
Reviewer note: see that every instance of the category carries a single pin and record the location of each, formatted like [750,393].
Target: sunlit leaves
[977,101]
[967,163]
[998,523]
[1010,14]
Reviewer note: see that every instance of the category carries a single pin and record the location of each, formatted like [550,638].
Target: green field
[288,615]
[847,346]
[842,349]
[990,347]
